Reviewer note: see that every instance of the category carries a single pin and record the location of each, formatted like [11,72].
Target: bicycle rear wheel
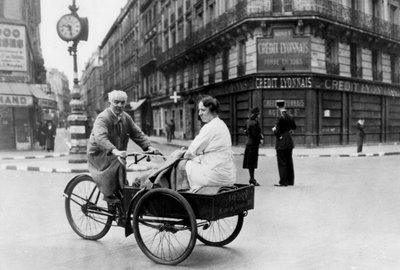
[164,225]
[220,232]
[88,215]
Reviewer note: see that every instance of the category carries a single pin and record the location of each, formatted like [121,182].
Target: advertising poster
[12,48]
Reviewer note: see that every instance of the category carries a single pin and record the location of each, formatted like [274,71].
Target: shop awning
[21,94]
[136,104]
[15,95]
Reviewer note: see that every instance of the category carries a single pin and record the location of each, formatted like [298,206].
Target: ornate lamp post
[71,27]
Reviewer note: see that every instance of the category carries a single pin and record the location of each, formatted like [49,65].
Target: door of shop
[7,133]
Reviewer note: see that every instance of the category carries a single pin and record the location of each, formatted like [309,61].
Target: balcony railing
[149,56]
[356,71]
[225,74]
[241,69]
[211,78]
[328,9]
[332,68]
[377,75]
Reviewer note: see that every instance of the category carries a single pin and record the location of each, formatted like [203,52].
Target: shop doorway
[7,133]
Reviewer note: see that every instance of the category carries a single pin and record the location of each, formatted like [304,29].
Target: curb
[77,171]
[35,156]
[41,169]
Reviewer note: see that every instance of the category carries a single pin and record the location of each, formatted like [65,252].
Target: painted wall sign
[16,101]
[283,53]
[12,48]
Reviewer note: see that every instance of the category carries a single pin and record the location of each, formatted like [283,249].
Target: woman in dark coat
[50,131]
[254,137]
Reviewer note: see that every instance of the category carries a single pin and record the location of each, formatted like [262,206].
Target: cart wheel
[87,213]
[220,232]
[164,225]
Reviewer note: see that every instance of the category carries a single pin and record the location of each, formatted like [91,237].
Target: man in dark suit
[284,147]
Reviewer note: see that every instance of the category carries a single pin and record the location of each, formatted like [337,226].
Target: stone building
[332,62]
[93,86]
[59,85]
[24,95]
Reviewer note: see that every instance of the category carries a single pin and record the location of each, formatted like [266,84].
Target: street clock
[69,27]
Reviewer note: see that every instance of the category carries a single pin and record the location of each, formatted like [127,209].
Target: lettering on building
[14,100]
[357,87]
[283,82]
[283,52]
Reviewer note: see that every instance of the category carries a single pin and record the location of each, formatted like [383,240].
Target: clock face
[69,27]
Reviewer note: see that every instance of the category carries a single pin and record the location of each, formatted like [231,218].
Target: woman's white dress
[211,157]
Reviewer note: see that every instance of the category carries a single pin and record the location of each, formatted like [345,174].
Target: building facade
[332,62]
[25,99]
[93,86]
[59,85]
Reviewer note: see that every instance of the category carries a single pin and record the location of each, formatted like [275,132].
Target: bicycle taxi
[166,223]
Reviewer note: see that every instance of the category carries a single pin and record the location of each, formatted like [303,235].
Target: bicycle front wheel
[88,215]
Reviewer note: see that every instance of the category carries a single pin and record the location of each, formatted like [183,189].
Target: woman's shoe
[253,182]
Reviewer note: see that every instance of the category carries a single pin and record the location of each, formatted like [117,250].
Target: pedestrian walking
[50,132]
[167,131]
[254,138]
[284,147]
[360,135]
[42,135]
[171,128]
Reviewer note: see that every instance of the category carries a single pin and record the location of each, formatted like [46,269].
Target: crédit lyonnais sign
[283,52]
[16,101]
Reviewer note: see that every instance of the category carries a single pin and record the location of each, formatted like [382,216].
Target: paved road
[342,214]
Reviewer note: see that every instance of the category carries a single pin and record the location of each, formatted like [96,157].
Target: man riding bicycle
[108,141]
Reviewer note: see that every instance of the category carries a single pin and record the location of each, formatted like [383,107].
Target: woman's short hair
[210,102]
[117,95]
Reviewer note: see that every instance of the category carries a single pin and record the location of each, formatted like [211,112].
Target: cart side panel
[221,205]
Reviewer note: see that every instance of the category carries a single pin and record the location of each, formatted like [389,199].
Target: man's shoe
[254,182]
[279,185]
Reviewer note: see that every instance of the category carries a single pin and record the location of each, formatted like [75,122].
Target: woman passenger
[210,157]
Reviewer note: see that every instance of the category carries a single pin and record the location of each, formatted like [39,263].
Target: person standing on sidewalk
[360,135]
[254,138]
[284,147]
[108,140]
[50,132]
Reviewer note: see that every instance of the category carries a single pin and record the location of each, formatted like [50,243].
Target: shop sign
[283,53]
[357,87]
[12,48]
[46,103]
[16,101]
[298,82]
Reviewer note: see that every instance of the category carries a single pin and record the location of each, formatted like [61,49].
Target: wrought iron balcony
[377,75]
[149,57]
[332,68]
[211,78]
[327,9]
[241,69]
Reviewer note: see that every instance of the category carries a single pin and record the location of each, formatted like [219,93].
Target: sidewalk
[57,161]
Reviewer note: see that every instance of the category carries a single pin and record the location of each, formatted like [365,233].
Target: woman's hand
[118,153]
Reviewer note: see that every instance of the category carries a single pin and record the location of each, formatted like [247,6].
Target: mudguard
[75,177]
[132,204]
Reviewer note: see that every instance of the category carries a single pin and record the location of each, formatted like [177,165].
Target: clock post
[72,28]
